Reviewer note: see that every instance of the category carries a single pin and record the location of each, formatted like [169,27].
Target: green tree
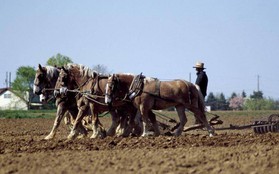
[260,104]
[243,94]
[211,101]
[24,78]
[257,95]
[222,103]
[217,102]
[233,95]
[24,81]
[59,60]
[101,69]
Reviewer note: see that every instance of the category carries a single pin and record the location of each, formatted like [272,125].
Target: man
[201,82]
[202,79]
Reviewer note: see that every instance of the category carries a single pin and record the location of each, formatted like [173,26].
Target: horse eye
[40,77]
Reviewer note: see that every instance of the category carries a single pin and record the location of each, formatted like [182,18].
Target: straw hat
[199,65]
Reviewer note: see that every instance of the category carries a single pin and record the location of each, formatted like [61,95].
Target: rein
[91,97]
[87,94]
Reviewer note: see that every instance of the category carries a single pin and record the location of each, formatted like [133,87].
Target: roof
[2,90]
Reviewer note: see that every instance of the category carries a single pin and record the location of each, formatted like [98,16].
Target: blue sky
[237,40]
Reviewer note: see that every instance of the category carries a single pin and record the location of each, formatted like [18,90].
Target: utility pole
[190,77]
[258,83]
[8,79]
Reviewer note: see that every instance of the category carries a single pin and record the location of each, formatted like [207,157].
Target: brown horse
[44,83]
[89,87]
[150,93]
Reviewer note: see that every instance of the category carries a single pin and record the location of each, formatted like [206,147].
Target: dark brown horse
[89,87]
[45,80]
[150,93]
[44,83]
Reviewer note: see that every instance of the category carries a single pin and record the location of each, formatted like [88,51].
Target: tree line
[255,101]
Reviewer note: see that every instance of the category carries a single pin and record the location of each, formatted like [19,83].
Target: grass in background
[52,113]
[27,114]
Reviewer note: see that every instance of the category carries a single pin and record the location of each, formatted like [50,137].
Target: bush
[260,104]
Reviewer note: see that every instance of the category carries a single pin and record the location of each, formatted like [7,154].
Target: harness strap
[136,86]
[189,93]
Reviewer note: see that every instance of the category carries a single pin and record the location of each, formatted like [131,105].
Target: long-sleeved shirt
[202,82]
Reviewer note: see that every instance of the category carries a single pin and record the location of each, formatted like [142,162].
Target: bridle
[42,79]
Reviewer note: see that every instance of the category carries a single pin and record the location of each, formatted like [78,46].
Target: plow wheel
[272,125]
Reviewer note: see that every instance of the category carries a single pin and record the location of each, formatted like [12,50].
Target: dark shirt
[202,81]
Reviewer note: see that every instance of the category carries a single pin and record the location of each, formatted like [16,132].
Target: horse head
[118,87]
[110,88]
[62,82]
[71,77]
[45,78]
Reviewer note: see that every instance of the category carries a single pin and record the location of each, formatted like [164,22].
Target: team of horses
[82,94]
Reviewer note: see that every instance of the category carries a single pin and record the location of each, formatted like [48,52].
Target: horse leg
[152,118]
[138,126]
[145,114]
[132,124]
[73,112]
[120,130]
[128,122]
[180,109]
[68,120]
[115,122]
[202,118]
[96,124]
[77,127]
[61,110]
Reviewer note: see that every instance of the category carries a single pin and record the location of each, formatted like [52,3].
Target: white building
[11,101]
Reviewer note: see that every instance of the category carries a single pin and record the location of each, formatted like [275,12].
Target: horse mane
[149,79]
[84,70]
[52,72]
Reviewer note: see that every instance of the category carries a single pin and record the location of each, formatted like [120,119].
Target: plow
[265,125]
[271,125]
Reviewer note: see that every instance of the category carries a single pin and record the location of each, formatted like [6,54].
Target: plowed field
[23,150]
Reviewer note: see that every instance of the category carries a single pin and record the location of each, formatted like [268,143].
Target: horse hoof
[72,136]
[47,138]
[177,133]
[110,133]
[146,134]
[94,136]
[119,132]
[81,136]
[212,134]
[103,135]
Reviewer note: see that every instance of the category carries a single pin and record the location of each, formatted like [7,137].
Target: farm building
[9,100]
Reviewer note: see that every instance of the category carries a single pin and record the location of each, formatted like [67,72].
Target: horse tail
[195,90]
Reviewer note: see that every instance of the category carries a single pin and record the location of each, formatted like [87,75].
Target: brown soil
[22,150]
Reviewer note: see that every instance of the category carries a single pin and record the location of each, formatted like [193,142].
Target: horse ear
[64,68]
[40,67]
[95,74]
